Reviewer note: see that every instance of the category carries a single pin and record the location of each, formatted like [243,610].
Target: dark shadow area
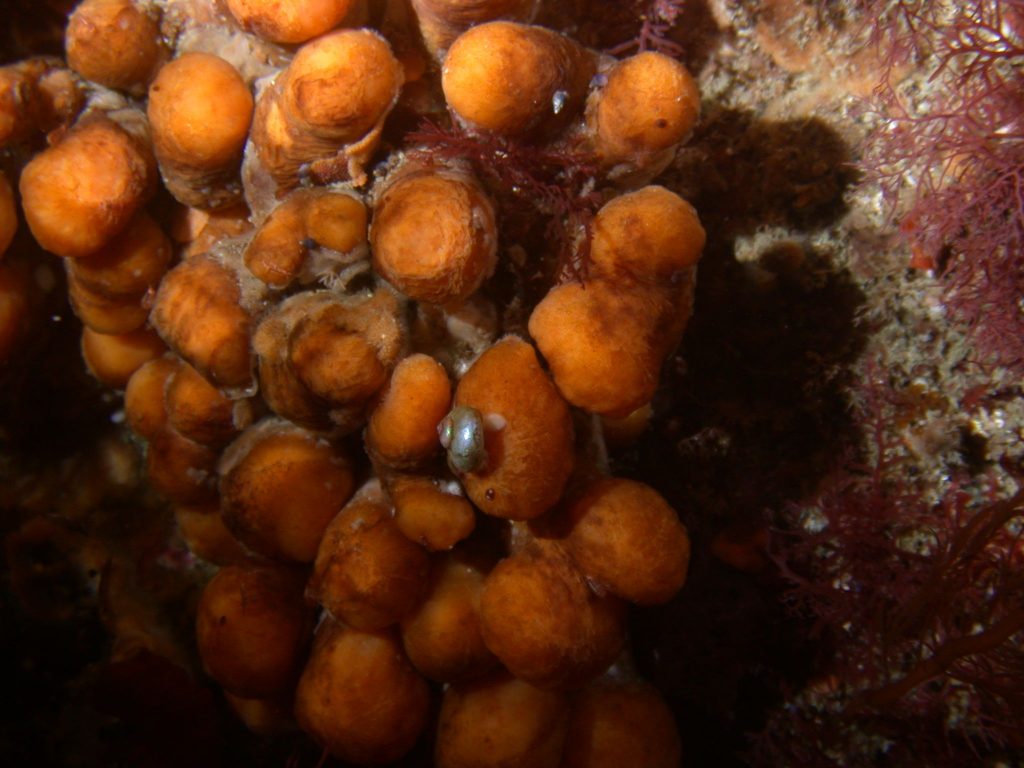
[79,600]
[50,406]
[751,414]
[50,631]
[744,173]
[32,28]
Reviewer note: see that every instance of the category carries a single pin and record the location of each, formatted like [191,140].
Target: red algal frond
[657,18]
[950,160]
[920,601]
[554,185]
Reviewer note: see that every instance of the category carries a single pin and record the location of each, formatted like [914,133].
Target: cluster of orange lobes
[403,480]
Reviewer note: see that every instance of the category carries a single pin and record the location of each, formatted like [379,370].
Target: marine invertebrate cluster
[115,43]
[199,110]
[642,258]
[36,96]
[344,416]
[322,116]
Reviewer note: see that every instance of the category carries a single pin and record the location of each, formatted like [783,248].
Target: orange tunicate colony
[310,344]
